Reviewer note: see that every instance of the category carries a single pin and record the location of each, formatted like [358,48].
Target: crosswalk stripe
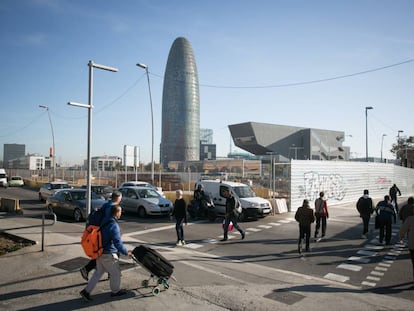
[359,259]
[377,273]
[336,277]
[349,267]
[368,283]
[373,278]
[366,253]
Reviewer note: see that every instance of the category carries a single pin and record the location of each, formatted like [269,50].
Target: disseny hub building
[291,142]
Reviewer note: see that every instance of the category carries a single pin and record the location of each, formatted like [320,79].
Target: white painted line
[193,245]
[368,283]
[359,259]
[377,273]
[394,253]
[264,226]
[336,277]
[366,253]
[285,221]
[375,247]
[150,230]
[381,269]
[274,224]
[213,241]
[253,229]
[388,261]
[373,278]
[349,267]
[384,264]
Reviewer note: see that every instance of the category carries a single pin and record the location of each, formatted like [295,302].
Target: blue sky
[245,52]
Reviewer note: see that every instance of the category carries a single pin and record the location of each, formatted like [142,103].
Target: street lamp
[145,67]
[366,132]
[91,65]
[398,143]
[382,144]
[53,153]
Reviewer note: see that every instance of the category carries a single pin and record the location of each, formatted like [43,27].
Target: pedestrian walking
[387,216]
[198,196]
[109,260]
[305,217]
[393,195]
[231,215]
[408,227]
[365,208]
[407,210]
[321,214]
[115,200]
[180,213]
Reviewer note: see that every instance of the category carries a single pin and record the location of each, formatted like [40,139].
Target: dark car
[102,190]
[71,203]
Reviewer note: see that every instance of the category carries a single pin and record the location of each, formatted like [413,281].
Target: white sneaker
[182,242]
[179,243]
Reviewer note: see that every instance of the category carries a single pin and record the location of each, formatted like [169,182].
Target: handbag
[231,226]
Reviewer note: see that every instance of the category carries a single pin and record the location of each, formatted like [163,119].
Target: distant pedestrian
[321,214]
[231,214]
[305,217]
[109,260]
[180,213]
[198,196]
[115,200]
[408,227]
[407,210]
[393,195]
[365,208]
[387,216]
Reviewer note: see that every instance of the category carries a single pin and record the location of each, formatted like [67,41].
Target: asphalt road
[272,241]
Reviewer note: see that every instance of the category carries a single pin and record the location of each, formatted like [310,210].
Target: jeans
[320,219]
[179,229]
[304,233]
[106,263]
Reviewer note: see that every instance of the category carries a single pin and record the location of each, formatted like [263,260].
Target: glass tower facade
[180,136]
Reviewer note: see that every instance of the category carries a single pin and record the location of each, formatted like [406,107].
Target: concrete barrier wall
[10,205]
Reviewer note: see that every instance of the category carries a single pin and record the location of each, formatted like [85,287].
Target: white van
[3,178]
[252,205]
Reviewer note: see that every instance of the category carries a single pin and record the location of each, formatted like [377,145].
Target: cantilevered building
[180,138]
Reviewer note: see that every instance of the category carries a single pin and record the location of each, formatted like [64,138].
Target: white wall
[344,182]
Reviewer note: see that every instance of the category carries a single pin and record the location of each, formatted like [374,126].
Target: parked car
[72,203]
[3,178]
[16,181]
[144,201]
[102,190]
[49,189]
[139,183]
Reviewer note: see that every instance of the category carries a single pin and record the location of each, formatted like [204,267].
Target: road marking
[264,226]
[284,221]
[366,253]
[375,247]
[359,259]
[274,223]
[377,273]
[384,264]
[193,245]
[390,257]
[349,267]
[368,283]
[388,261]
[381,269]
[150,230]
[336,277]
[254,229]
[373,278]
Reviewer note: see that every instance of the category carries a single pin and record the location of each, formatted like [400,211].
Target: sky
[314,64]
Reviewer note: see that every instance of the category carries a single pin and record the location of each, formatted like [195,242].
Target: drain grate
[78,262]
[284,296]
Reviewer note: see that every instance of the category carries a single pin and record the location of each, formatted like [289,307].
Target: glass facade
[180,137]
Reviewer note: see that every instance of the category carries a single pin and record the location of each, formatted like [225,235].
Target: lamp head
[143,66]
[43,106]
[369,107]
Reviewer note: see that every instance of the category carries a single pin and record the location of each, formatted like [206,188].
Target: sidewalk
[36,280]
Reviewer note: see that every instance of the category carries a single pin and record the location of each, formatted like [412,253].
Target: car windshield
[60,186]
[148,193]
[16,178]
[244,192]
[78,195]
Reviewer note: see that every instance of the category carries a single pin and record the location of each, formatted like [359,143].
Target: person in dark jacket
[231,215]
[387,215]
[365,208]
[180,213]
[109,260]
[305,217]
[393,195]
[198,196]
[321,214]
[407,210]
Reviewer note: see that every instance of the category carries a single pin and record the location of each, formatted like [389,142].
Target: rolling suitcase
[156,264]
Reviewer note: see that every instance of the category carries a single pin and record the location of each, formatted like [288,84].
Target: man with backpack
[321,214]
[109,260]
[365,208]
[104,212]
[232,214]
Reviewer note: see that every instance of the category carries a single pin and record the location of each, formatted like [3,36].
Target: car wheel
[141,212]
[77,215]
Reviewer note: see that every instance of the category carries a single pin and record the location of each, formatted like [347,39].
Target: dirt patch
[10,243]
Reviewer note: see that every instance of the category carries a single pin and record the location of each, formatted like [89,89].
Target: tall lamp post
[53,153]
[91,65]
[366,132]
[382,144]
[145,67]
[398,144]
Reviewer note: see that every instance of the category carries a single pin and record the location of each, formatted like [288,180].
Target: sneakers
[85,295]
[84,273]
[243,235]
[182,242]
[121,292]
[223,240]
[179,243]
[363,236]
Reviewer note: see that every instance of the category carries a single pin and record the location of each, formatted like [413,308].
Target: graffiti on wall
[333,185]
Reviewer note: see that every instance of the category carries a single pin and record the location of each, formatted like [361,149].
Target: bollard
[43,227]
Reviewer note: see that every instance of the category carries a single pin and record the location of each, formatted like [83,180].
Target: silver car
[144,201]
[49,189]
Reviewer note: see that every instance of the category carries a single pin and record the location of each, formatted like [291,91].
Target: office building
[12,151]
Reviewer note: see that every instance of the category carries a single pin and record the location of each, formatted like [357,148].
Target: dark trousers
[90,265]
[304,233]
[320,219]
[385,225]
[412,259]
[179,228]
[365,221]
[233,219]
